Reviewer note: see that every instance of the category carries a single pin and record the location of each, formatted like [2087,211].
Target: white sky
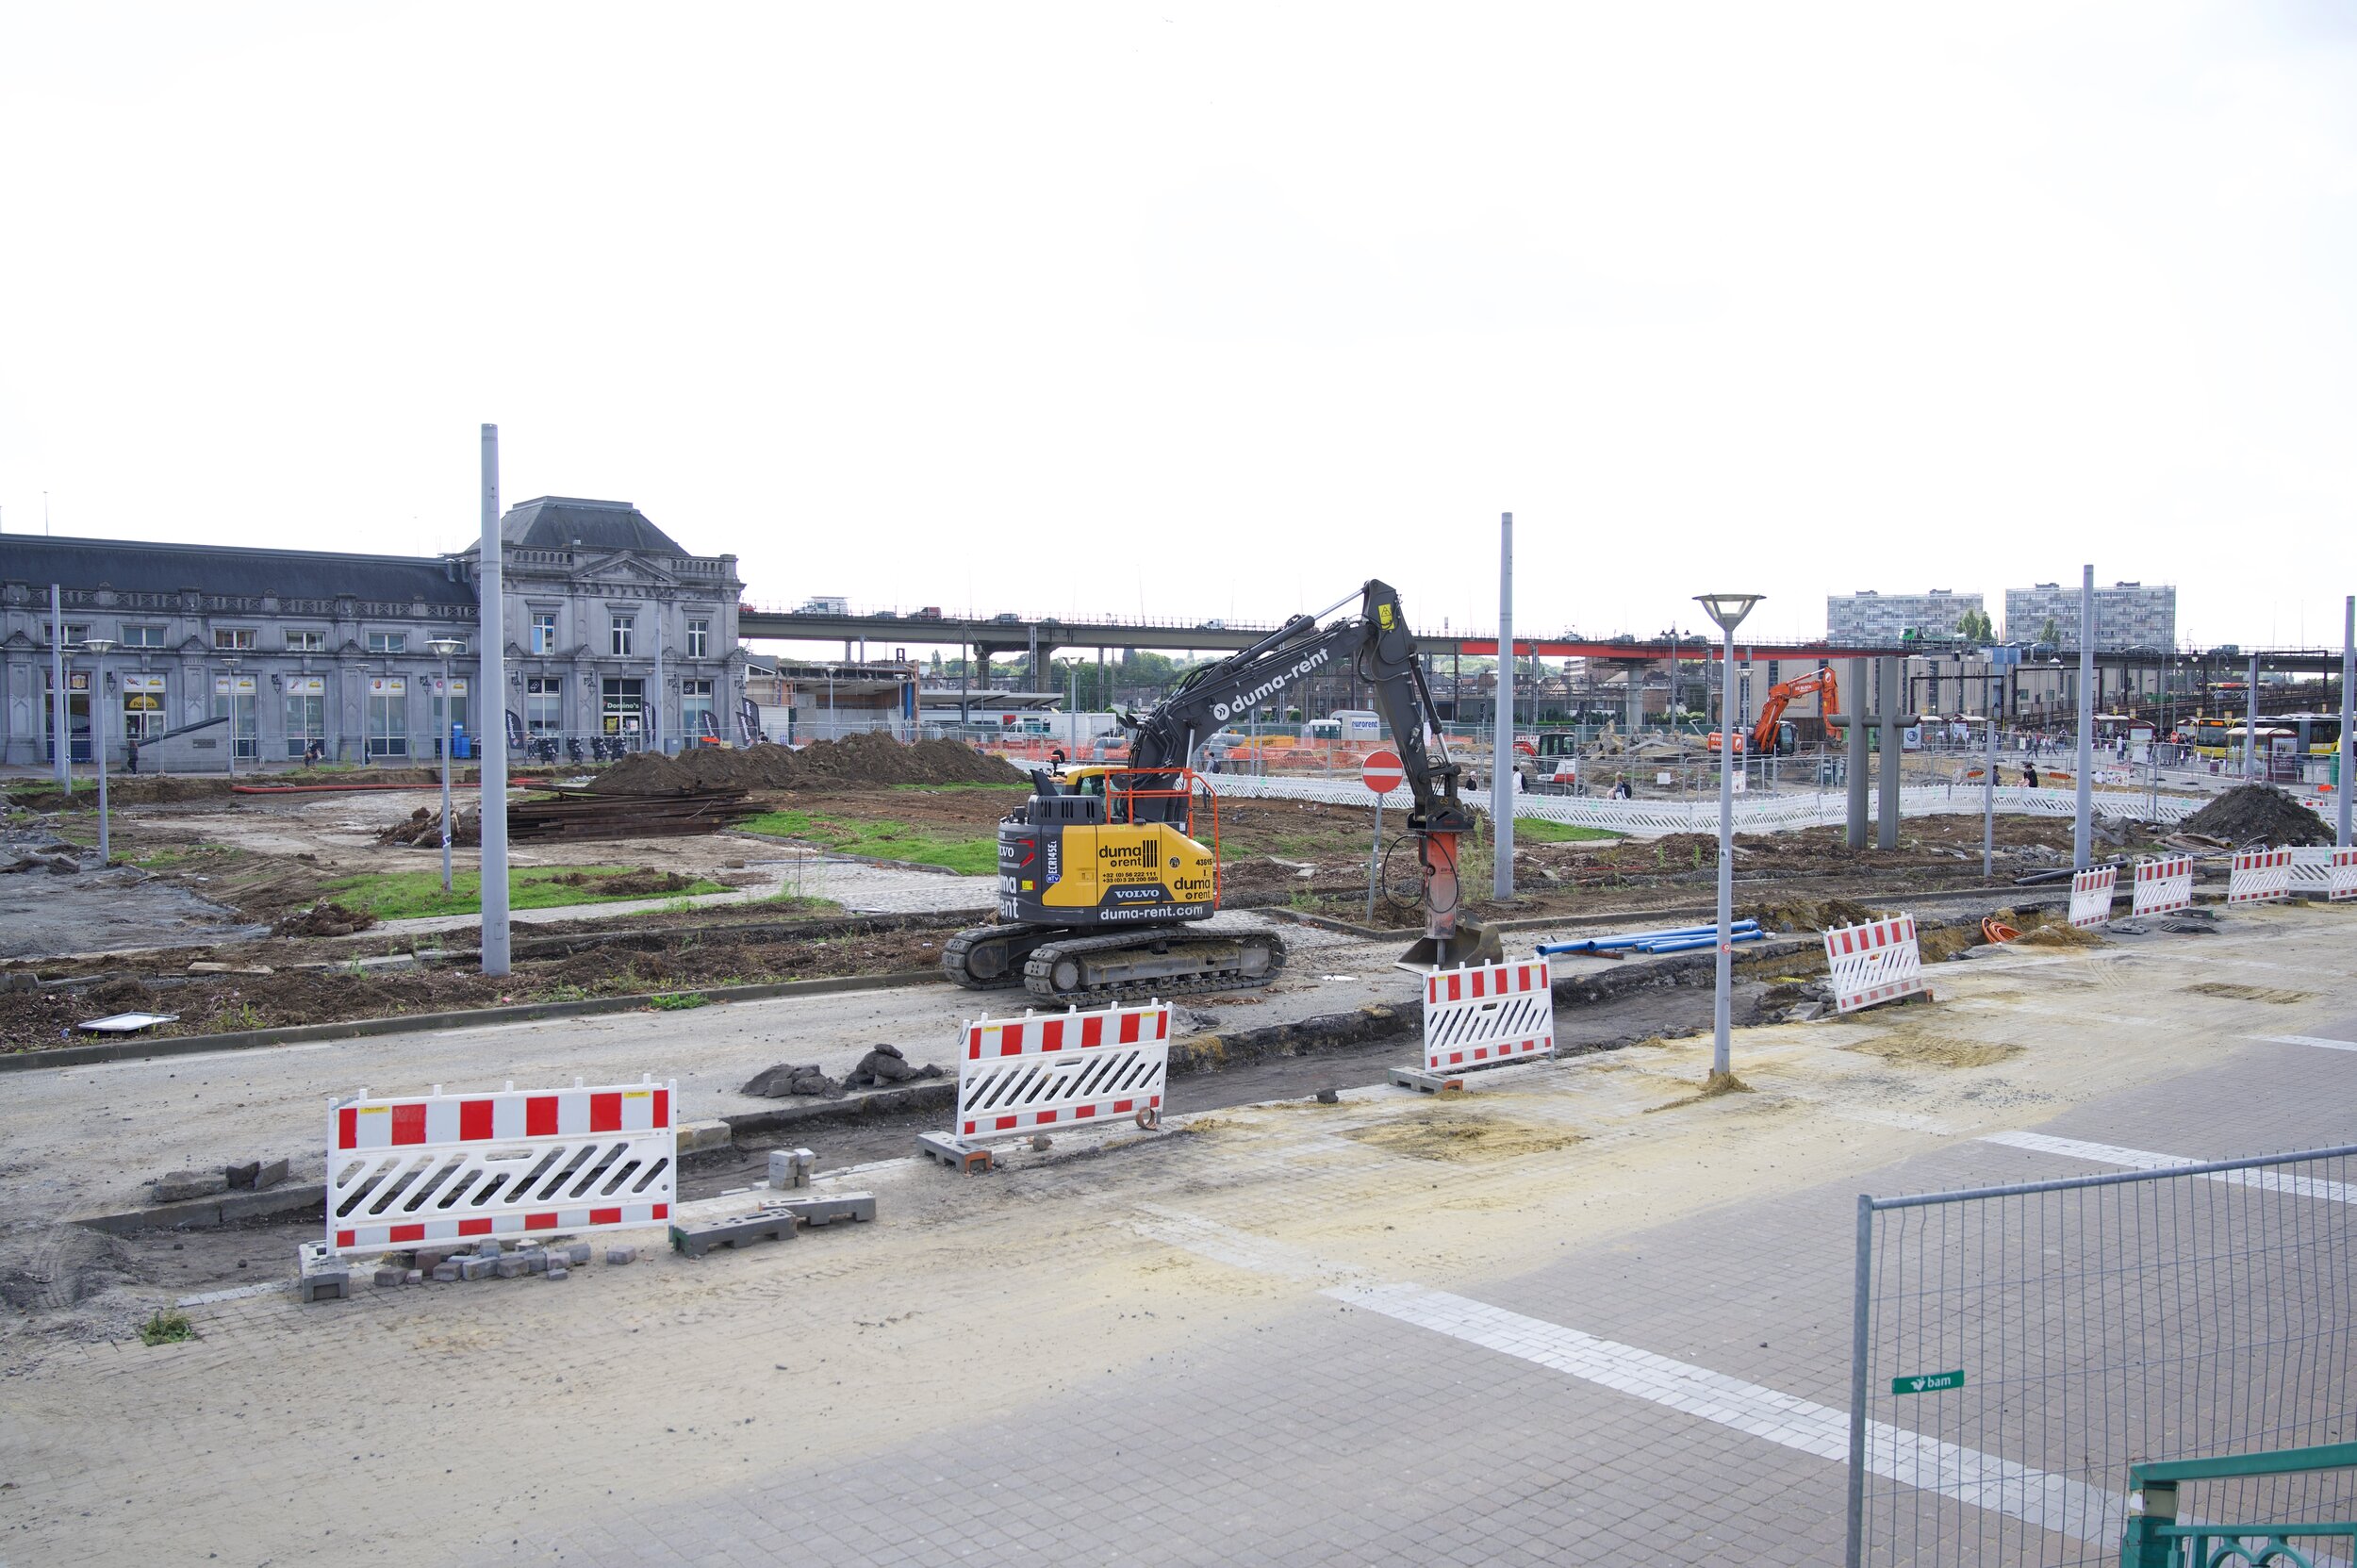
[1212,310]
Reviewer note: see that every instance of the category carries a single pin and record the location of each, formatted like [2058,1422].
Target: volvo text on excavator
[1107,887]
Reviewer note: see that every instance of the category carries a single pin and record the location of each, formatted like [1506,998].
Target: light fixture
[1727,609]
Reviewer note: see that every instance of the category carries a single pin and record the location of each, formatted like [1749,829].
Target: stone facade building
[612,629]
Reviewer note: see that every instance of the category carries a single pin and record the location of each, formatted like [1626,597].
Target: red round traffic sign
[1382,772]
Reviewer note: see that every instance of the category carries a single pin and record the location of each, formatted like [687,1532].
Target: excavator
[1772,734]
[1106,883]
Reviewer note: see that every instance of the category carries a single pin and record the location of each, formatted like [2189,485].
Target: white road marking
[2317,1040]
[2047,1501]
[2268,1179]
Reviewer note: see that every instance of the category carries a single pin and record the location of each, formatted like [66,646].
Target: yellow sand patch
[2250,993]
[1459,1138]
[1931,1051]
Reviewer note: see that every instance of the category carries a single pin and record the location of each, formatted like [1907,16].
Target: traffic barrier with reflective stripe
[442,1167]
[2091,895]
[1481,1015]
[2164,884]
[1019,1075]
[2325,872]
[1877,961]
[2260,877]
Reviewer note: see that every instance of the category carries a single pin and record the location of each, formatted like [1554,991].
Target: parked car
[930,612]
[1006,618]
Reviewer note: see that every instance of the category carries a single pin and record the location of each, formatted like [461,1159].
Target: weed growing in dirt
[401,895]
[566,991]
[167,1328]
[678,1001]
[1539,830]
[973,856]
[230,1019]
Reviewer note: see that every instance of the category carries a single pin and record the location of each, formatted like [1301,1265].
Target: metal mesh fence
[2017,1348]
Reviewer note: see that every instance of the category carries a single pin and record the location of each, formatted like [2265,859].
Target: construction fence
[2017,1348]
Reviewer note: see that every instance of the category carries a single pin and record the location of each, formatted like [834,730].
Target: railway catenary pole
[1854,765]
[2082,829]
[494,677]
[60,739]
[1501,722]
[2250,724]
[2349,669]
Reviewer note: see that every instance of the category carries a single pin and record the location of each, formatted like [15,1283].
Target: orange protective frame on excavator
[1193,780]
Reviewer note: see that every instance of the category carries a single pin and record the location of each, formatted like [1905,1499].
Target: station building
[612,629]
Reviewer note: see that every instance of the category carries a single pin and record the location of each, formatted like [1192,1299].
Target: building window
[142,706]
[619,629]
[625,706]
[232,638]
[698,638]
[695,718]
[143,637]
[76,631]
[544,631]
[388,716]
[307,712]
[544,704]
[233,700]
[388,642]
[457,705]
[306,642]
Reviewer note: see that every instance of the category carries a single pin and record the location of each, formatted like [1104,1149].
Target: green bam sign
[1928,1383]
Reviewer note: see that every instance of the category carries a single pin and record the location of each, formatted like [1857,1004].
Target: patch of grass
[971,855]
[1539,830]
[678,1001]
[178,854]
[798,903]
[167,1326]
[402,895]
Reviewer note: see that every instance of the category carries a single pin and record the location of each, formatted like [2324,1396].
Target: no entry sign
[1382,772]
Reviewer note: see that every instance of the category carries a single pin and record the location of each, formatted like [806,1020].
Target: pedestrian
[2029,775]
[131,753]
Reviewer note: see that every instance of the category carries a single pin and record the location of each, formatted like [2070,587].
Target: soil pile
[862,759]
[1806,913]
[325,918]
[644,882]
[422,830]
[2258,814]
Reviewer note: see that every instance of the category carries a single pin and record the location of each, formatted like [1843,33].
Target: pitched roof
[139,565]
[560,522]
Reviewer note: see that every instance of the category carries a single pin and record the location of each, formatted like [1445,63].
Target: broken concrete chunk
[621,1254]
[386,1276]
[446,1272]
[511,1267]
[557,1271]
[476,1268]
[181,1185]
[790,1079]
[886,1064]
[257,1173]
[575,1256]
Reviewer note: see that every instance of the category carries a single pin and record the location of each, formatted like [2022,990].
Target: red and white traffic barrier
[2325,872]
[2163,884]
[440,1168]
[1021,1075]
[2260,877]
[2091,895]
[1482,1016]
[1877,961]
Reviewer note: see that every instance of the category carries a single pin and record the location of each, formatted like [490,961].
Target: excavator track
[1090,970]
[990,958]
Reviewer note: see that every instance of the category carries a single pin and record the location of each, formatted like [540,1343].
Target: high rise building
[2128,615]
[1869,619]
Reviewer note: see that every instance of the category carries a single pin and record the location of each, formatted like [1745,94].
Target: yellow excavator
[1106,882]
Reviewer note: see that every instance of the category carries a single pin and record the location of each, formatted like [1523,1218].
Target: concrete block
[476,1268]
[254,1175]
[695,1137]
[1329,1097]
[1424,1082]
[181,1185]
[953,1151]
[391,1277]
[791,1168]
[487,1247]
[770,1224]
[432,1258]
[413,1276]
[558,1271]
[622,1255]
[853,1207]
[325,1284]
[535,1261]
[446,1272]
[510,1267]
[575,1256]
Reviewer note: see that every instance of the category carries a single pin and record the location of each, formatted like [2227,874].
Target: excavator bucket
[1471,943]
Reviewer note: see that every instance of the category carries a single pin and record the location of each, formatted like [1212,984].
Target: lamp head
[1727,609]
[98,645]
[448,648]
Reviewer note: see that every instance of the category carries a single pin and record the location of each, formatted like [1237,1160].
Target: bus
[2316,735]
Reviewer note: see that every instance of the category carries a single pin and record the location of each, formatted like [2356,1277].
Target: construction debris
[858,759]
[790,1079]
[325,918]
[886,1064]
[2258,814]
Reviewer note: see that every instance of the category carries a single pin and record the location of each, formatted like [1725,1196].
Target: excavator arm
[1782,693]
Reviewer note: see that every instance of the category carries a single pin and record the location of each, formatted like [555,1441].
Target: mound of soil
[640,883]
[325,918]
[422,830]
[1807,914]
[860,759]
[2258,814]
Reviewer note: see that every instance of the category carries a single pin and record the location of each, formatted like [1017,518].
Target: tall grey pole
[1856,766]
[98,748]
[654,721]
[60,743]
[494,768]
[444,749]
[2083,829]
[2349,669]
[1894,748]
[1721,1050]
[1988,777]
[1502,761]
[2250,724]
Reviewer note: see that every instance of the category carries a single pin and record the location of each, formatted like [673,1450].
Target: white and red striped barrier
[2260,877]
[2091,895]
[1877,961]
[1019,1076]
[2163,884]
[1482,1016]
[442,1167]
[2325,873]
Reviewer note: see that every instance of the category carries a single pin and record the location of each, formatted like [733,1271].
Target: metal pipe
[494,766]
[1861,1290]
[61,740]
[2082,831]
[1886,801]
[1857,767]
[1722,1049]
[1502,716]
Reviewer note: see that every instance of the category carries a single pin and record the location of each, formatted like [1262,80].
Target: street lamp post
[97,648]
[446,649]
[1727,610]
[232,668]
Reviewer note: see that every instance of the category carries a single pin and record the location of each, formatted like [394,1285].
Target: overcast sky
[1212,311]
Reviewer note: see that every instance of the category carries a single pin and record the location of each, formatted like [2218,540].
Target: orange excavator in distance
[1771,736]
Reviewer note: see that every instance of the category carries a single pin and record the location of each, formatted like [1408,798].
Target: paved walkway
[1578,1316]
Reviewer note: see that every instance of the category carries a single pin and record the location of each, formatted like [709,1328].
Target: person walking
[2029,775]
[131,753]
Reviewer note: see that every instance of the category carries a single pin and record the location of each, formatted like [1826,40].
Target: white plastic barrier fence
[1020,1075]
[2325,873]
[1481,1015]
[441,1168]
[1877,961]
[2091,895]
[2260,877]
[2163,884]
